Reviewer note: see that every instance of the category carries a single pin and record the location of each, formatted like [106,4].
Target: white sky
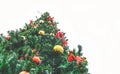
[95,24]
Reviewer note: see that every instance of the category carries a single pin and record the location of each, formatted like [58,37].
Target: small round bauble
[41,32]
[24,72]
[41,21]
[24,38]
[36,59]
[58,48]
[8,37]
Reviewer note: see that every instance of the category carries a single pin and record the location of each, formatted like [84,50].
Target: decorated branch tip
[40,47]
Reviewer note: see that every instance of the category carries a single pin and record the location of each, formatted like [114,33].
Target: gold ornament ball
[58,48]
[42,32]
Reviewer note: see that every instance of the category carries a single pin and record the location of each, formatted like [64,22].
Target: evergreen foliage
[39,48]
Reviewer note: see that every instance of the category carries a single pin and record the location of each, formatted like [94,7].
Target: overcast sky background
[95,24]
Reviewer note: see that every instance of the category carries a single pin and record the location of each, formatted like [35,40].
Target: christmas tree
[40,48]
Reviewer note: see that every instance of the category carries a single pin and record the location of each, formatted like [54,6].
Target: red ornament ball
[8,37]
[37,60]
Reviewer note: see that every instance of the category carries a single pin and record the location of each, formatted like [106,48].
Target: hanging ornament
[34,50]
[49,22]
[41,21]
[35,26]
[24,72]
[58,48]
[59,35]
[8,37]
[41,32]
[51,18]
[52,34]
[71,57]
[24,38]
[37,60]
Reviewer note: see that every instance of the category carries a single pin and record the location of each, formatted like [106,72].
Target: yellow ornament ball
[58,48]
[42,32]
